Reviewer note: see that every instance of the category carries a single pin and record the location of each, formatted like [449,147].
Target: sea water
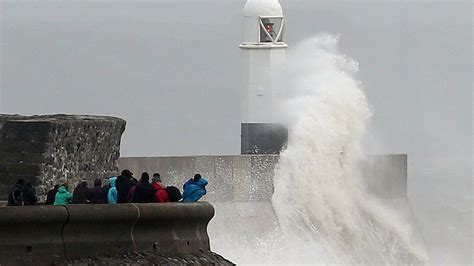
[320,212]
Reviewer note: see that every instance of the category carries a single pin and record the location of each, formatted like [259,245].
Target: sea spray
[324,213]
[320,213]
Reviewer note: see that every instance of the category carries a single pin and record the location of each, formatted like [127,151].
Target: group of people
[122,189]
[22,193]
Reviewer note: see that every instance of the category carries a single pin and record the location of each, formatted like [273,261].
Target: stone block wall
[43,149]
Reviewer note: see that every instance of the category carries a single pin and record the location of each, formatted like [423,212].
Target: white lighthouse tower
[263,49]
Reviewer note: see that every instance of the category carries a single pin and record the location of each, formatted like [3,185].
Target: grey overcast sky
[172,70]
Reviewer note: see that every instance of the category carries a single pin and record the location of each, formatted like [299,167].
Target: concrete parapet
[28,233]
[44,234]
[173,227]
[99,229]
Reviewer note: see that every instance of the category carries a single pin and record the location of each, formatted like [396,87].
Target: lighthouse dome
[255,8]
[263,24]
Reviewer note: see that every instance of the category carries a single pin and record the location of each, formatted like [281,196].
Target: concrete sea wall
[43,149]
[231,178]
[241,186]
[241,178]
[45,234]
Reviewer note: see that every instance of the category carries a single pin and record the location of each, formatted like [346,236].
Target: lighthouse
[263,49]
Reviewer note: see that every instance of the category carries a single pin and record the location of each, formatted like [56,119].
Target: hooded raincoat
[63,196]
[160,192]
[112,195]
[194,190]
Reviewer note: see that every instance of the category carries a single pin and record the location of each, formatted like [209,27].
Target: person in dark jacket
[29,194]
[80,193]
[131,193]
[144,192]
[97,195]
[15,196]
[194,188]
[106,185]
[123,184]
[51,195]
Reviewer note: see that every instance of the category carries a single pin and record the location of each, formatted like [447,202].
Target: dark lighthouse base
[263,138]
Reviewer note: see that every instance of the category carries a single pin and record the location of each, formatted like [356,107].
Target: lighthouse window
[271,29]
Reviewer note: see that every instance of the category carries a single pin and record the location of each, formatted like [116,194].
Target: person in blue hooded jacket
[112,194]
[194,188]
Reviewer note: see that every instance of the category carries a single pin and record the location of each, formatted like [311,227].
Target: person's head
[83,184]
[98,182]
[63,182]
[127,173]
[156,177]
[145,177]
[20,182]
[56,186]
[112,181]
[197,177]
[28,184]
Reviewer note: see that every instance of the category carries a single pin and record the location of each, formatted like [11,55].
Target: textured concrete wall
[241,187]
[250,177]
[41,235]
[231,178]
[27,233]
[43,149]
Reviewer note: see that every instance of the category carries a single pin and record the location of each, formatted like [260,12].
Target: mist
[172,70]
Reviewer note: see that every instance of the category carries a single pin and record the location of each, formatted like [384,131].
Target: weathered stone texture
[43,149]
[150,258]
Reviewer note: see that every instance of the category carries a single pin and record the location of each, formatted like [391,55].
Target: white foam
[324,215]
[319,196]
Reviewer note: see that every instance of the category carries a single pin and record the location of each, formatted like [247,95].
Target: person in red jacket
[160,191]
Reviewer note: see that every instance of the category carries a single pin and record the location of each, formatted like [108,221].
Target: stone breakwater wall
[241,186]
[231,178]
[43,149]
[46,234]
[249,178]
